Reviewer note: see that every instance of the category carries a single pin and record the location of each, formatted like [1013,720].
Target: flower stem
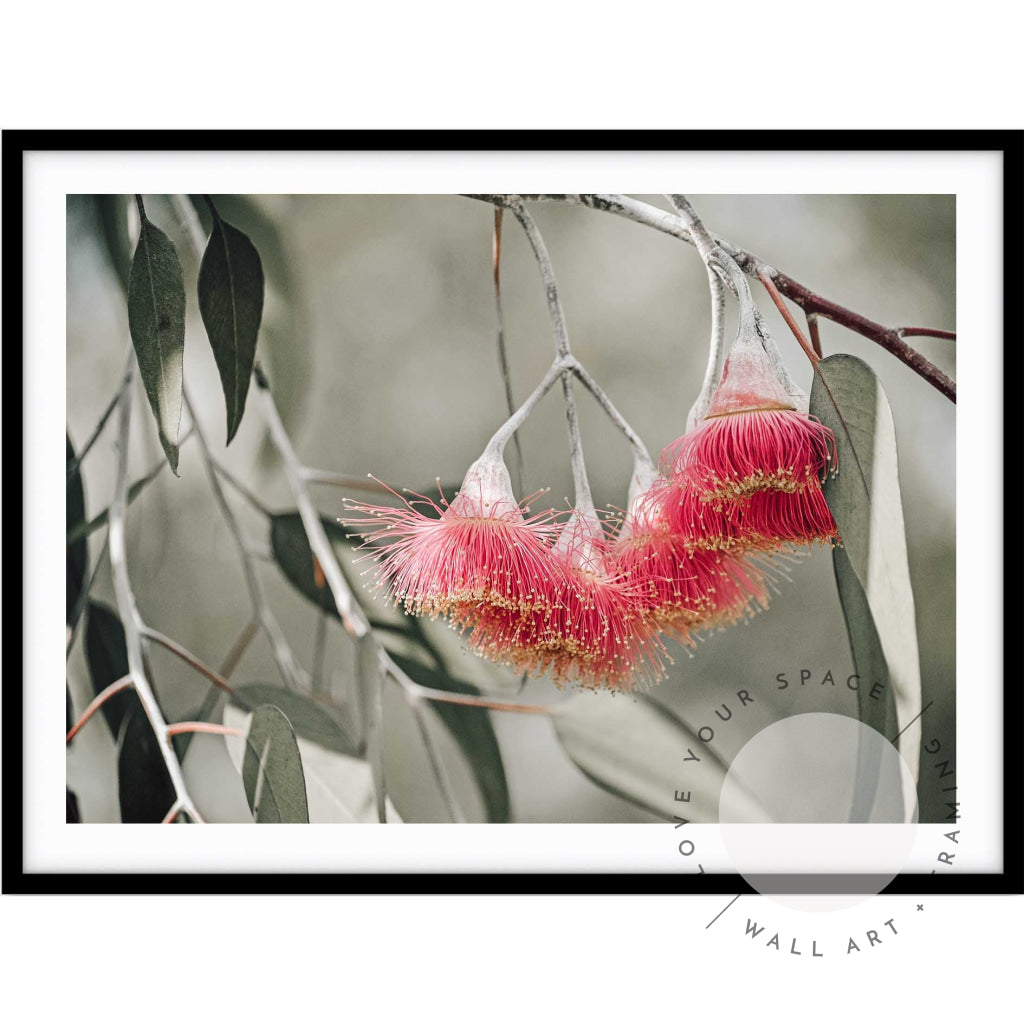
[584,499]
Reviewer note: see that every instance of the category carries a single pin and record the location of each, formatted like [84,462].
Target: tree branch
[581,483]
[815,332]
[780,304]
[210,727]
[126,378]
[503,365]
[636,442]
[891,339]
[287,664]
[717,260]
[188,657]
[96,703]
[131,620]
[351,614]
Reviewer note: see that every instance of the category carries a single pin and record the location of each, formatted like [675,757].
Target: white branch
[131,620]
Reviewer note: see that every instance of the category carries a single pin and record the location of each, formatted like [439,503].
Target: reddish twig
[780,303]
[238,648]
[891,339]
[211,727]
[114,688]
[925,332]
[188,657]
[815,332]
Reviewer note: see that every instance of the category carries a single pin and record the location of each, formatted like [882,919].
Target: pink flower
[480,548]
[590,628]
[752,438]
[686,584]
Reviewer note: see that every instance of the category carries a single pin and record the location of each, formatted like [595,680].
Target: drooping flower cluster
[587,605]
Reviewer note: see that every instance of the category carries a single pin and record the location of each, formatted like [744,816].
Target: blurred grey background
[379,342]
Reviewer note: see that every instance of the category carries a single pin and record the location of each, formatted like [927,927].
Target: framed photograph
[612,541]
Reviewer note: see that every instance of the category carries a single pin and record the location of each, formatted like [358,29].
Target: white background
[529,66]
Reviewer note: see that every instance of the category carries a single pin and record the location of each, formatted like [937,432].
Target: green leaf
[77,548]
[73,816]
[107,658]
[156,320]
[865,500]
[112,210]
[284,344]
[339,788]
[472,730]
[231,304]
[879,711]
[310,720]
[144,787]
[272,770]
[293,554]
[370,684]
[637,750]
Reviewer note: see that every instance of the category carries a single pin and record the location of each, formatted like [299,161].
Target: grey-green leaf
[156,320]
[272,770]
[865,500]
[370,684]
[638,750]
[231,303]
[875,704]
[145,790]
[310,720]
[293,554]
[77,548]
[472,730]
[107,658]
[144,787]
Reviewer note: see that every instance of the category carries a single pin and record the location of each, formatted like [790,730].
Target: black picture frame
[15,144]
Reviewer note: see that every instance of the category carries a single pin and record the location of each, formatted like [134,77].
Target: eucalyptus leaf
[865,500]
[472,730]
[107,660]
[113,214]
[156,320]
[77,549]
[204,713]
[231,304]
[144,786]
[284,343]
[639,750]
[291,549]
[272,770]
[875,704]
[309,719]
[339,788]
